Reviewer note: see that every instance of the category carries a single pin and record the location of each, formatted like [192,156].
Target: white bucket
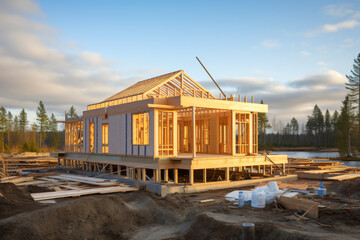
[273,187]
[258,199]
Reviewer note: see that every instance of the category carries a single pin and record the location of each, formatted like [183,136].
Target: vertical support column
[204,175]
[156,175]
[138,170]
[156,132]
[191,176]
[133,173]
[227,174]
[159,175]
[271,170]
[264,169]
[143,174]
[194,131]
[258,167]
[176,175]
[166,175]
[233,134]
[251,130]
[251,168]
[58,162]
[283,168]
[118,170]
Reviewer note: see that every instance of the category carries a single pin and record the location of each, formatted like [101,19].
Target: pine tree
[54,134]
[43,122]
[72,113]
[16,130]
[3,122]
[34,128]
[23,122]
[294,126]
[327,125]
[344,126]
[353,86]
[263,124]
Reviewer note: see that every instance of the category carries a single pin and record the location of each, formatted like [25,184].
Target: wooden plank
[296,203]
[85,181]
[343,177]
[30,183]
[72,193]
[18,180]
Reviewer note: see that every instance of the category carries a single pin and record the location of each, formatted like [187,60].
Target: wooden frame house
[169,128]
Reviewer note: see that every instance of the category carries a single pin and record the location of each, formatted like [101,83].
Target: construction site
[166,159]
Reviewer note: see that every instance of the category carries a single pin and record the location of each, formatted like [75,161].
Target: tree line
[16,134]
[340,130]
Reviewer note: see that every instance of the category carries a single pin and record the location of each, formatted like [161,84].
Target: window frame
[141,129]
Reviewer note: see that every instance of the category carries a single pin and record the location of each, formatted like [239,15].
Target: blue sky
[292,54]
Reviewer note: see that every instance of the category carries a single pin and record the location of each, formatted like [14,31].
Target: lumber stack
[12,166]
[68,185]
[300,164]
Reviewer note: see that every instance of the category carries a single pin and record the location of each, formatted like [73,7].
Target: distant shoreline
[304,149]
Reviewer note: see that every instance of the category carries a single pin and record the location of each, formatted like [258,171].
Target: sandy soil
[143,215]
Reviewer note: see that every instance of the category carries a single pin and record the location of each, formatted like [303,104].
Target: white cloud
[269,43]
[321,63]
[348,24]
[34,65]
[338,10]
[294,98]
[305,53]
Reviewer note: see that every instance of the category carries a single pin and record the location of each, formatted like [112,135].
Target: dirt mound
[36,189]
[13,200]
[344,187]
[106,217]
[340,216]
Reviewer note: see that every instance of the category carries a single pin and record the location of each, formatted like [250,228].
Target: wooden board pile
[296,164]
[321,169]
[331,175]
[69,185]
[13,164]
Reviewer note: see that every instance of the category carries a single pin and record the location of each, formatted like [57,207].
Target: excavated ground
[143,215]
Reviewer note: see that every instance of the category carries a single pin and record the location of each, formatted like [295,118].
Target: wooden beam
[194,131]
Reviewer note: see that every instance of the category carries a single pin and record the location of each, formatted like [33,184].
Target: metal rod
[211,77]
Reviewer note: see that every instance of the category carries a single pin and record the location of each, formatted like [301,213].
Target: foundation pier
[176,177]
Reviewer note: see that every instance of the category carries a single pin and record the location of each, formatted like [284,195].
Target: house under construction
[169,129]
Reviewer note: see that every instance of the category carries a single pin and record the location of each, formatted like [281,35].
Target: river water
[301,154]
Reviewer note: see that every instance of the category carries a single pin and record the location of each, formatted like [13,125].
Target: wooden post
[283,168]
[204,175]
[264,168]
[155,175]
[227,174]
[159,176]
[143,174]
[245,100]
[251,168]
[194,131]
[258,167]
[119,170]
[176,175]
[252,99]
[166,175]
[191,176]
[271,170]
[239,98]
[138,173]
